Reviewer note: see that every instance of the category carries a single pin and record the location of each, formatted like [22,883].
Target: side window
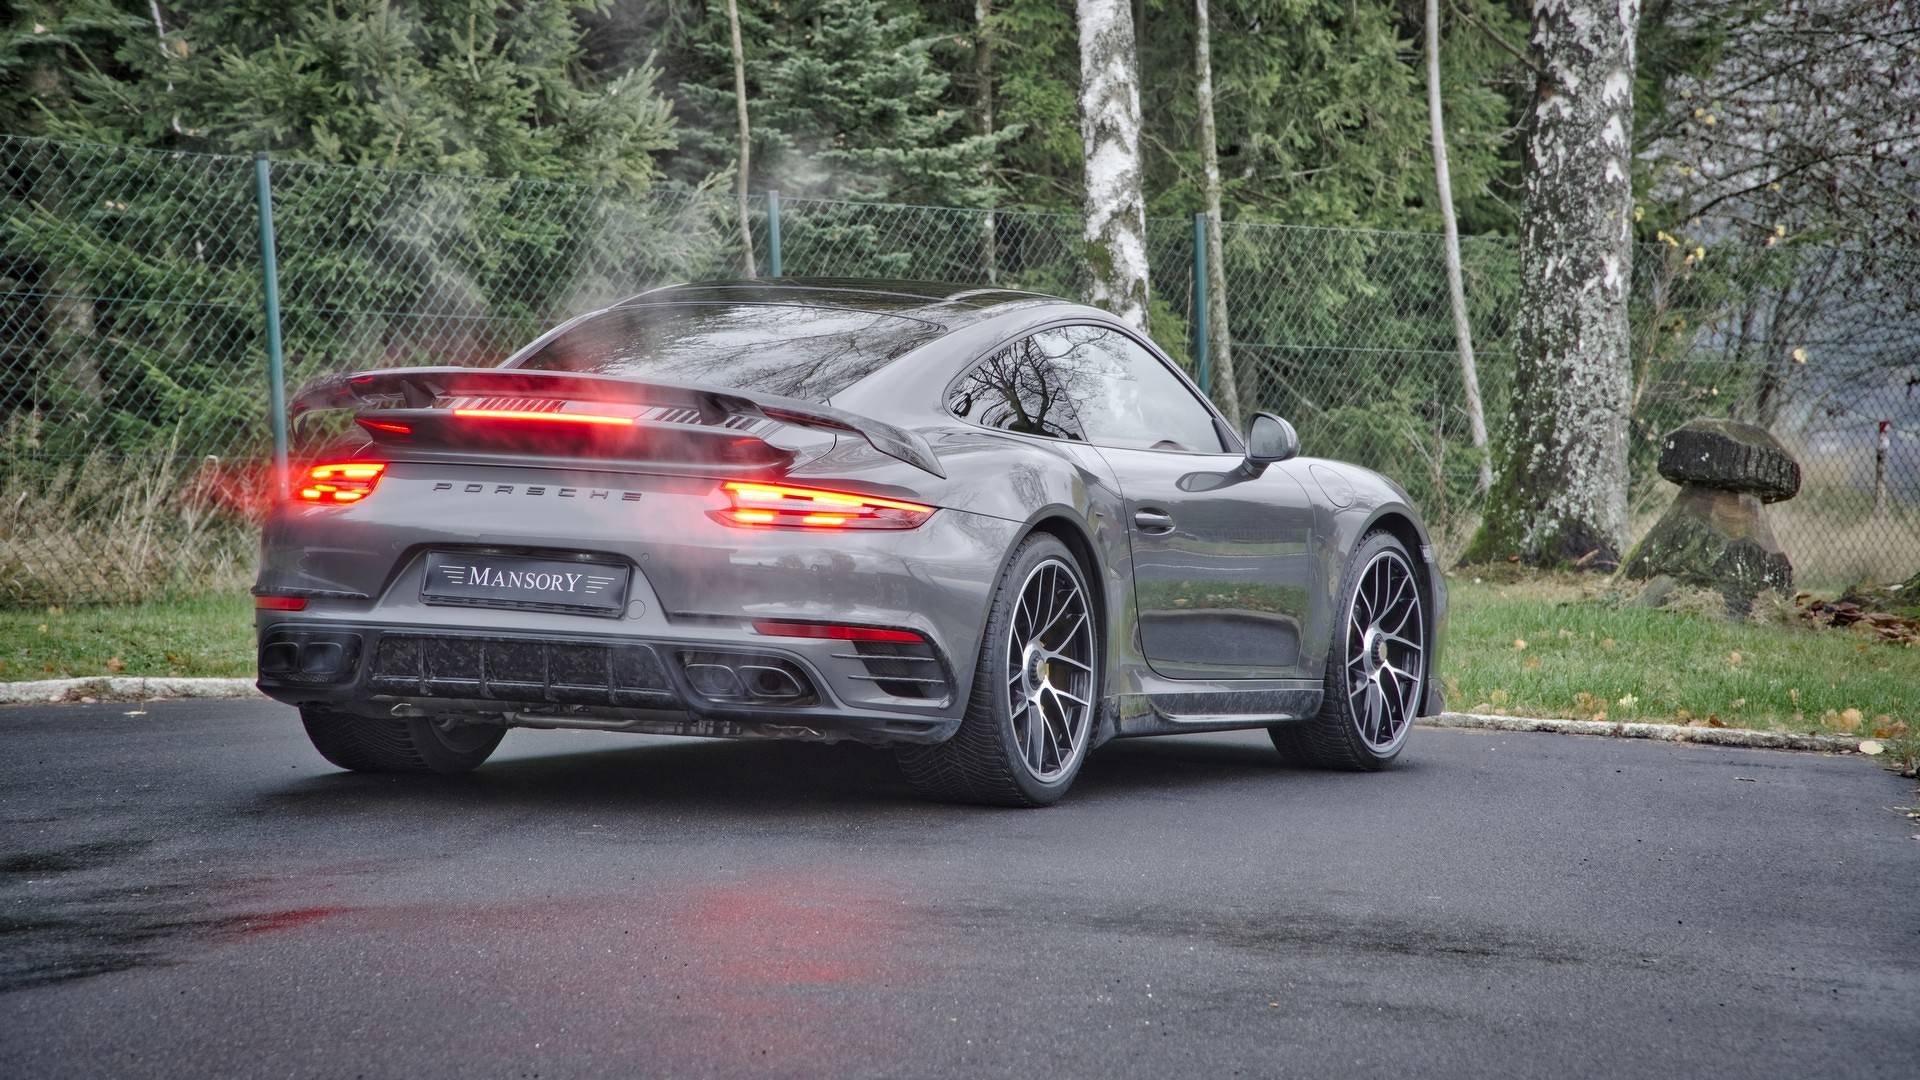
[1131,398]
[1021,388]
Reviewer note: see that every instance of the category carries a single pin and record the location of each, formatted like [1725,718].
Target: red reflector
[550,417]
[760,504]
[381,425]
[280,603]
[344,482]
[835,631]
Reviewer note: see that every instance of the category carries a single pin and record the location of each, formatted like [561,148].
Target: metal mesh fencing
[1349,334]
[133,386]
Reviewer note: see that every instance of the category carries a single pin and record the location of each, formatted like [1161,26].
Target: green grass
[1587,653]
[210,634]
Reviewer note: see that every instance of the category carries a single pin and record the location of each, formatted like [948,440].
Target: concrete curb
[1744,737]
[123,688]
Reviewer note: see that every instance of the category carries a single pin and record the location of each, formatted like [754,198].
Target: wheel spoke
[1088,668]
[1059,693]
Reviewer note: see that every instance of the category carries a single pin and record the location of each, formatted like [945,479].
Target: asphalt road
[191,892]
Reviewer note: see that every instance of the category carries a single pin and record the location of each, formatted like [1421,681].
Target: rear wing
[427,398]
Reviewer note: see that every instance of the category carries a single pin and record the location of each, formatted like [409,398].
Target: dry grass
[114,530]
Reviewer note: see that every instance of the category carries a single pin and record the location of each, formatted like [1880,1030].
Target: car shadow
[743,777]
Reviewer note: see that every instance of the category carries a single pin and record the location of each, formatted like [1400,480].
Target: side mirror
[1269,440]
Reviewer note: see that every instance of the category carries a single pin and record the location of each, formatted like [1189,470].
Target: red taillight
[834,631]
[758,504]
[344,482]
[280,603]
[381,425]
[547,417]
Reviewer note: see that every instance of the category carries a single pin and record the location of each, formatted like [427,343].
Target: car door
[1223,562]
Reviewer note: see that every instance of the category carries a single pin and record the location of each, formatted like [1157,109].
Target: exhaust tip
[747,679]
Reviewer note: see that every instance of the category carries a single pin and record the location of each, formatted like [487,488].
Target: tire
[1053,671]
[410,745]
[1345,733]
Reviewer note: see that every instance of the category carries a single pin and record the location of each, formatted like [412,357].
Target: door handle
[1153,521]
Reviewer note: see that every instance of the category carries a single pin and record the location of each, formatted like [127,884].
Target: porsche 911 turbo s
[988,529]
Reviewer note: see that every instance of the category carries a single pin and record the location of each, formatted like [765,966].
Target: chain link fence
[133,374]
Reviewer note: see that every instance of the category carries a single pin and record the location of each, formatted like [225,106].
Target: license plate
[512,581]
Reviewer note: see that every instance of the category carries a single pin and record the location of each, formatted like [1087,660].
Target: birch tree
[983,105]
[1456,287]
[1116,215]
[740,107]
[1561,495]
[1220,339]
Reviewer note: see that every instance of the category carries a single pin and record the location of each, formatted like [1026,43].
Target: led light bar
[833,631]
[343,482]
[756,504]
[544,417]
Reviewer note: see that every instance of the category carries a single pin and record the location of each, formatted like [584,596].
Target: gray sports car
[988,529]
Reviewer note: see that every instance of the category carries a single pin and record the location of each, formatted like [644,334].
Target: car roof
[947,304]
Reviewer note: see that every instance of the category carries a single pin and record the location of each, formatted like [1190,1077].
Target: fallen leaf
[1628,702]
[1736,703]
[1518,643]
[116,665]
[1851,718]
[1871,747]
[1713,720]
[1733,658]
[1532,663]
[1606,643]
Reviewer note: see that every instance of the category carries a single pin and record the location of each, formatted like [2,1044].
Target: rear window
[794,350]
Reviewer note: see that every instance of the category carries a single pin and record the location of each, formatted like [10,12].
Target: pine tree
[848,100]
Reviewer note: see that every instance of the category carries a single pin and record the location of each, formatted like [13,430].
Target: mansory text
[989,529]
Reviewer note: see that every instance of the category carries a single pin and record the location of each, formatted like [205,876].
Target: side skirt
[1214,710]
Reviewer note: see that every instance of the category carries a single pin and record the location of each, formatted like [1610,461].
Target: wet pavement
[191,891]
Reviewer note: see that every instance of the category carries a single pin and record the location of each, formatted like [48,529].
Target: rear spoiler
[416,390]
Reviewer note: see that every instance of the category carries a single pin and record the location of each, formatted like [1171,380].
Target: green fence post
[773,234]
[1200,304]
[270,282]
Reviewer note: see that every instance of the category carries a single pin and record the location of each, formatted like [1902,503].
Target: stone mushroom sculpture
[1715,535]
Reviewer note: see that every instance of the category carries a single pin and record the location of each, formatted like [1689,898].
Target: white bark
[1562,496]
[740,106]
[983,96]
[1456,288]
[1226,390]
[1116,214]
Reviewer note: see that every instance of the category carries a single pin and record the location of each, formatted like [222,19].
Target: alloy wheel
[1386,651]
[1050,660]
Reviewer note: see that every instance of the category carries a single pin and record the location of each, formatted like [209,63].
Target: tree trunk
[1561,496]
[1116,213]
[740,106]
[983,99]
[1226,390]
[1456,288]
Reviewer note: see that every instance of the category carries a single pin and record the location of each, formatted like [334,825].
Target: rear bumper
[670,685]
[695,584]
